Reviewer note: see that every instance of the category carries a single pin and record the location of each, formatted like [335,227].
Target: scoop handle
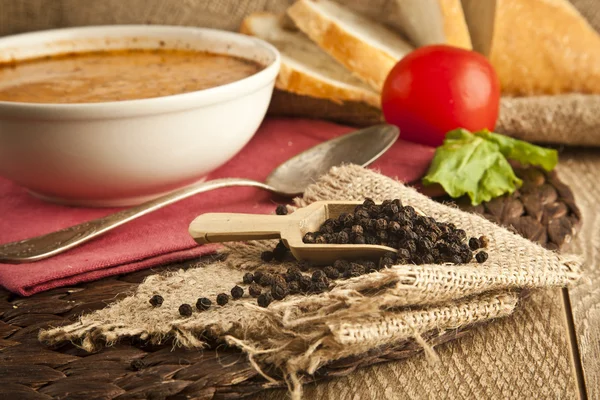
[230,227]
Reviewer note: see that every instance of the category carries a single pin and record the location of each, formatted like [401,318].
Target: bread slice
[544,47]
[305,69]
[364,46]
[426,22]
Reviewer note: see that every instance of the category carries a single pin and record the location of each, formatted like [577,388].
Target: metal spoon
[291,178]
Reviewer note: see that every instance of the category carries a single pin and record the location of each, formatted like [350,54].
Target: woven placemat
[30,370]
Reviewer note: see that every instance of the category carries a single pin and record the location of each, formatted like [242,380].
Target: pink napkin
[162,237]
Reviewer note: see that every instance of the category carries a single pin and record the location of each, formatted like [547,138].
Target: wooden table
[549,349]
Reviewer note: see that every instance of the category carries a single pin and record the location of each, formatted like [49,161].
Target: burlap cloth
[567,119]
[302,333]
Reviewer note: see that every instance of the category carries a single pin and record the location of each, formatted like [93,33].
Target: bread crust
[367,62]
[544,47]
[455,26]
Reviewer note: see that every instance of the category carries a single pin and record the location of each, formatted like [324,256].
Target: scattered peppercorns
[255,290]
[237,292]
[278,292]
[156,300]
[474,243]
[481,257]
[281,210]
[267,256]
[248,278]
[222,299]
[264,299]
[203,304]
[185,310]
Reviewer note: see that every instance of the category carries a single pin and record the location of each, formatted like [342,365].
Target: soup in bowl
[115,115]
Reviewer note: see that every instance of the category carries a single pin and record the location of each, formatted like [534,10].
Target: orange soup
[101,76]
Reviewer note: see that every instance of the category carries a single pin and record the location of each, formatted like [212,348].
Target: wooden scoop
[224,227]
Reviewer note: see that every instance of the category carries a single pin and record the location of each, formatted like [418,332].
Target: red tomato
[438,88]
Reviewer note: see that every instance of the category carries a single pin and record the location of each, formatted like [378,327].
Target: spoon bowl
[361,147]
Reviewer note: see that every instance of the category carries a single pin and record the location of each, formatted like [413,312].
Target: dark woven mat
[543,210]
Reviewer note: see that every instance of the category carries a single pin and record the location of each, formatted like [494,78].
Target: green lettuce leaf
[471,165]
[523,152]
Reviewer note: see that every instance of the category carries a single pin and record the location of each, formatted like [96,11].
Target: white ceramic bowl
[122,153]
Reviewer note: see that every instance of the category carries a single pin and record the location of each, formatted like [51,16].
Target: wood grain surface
[581,168]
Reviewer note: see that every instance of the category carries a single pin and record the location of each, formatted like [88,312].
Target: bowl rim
[153,105]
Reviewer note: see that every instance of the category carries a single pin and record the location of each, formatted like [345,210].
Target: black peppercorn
[331,272]
[474,243]
[370,239]
[156,300]
[248,278]
[370,266]
[281,210]
[318,275]
[361,215]
[354,270]
[381,224]
[237,292]
[357,229]
[254,290]
[368,202]
[258,275]
[320,239]
[359,239]
[343,238]
[483,240]
[309,238]
[461,234]
[277,279]
[304,265]
[394,227]
[385,262]
[279,253]
[264,299]
[456,259]
[278,292]
[293,274]
[294,287]
[305,282]
[427,259]
[222,299]
[266,256]
[203,304]
[326,229]
[185,310]
[318,287]
[341,265]
[481,257]
[265,279]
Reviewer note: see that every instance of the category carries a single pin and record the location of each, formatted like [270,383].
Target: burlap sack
[302,333]
[565,119]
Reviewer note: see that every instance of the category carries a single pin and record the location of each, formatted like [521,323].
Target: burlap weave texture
[303,333]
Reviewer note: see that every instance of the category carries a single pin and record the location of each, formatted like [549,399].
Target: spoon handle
[45,246]
[230,227]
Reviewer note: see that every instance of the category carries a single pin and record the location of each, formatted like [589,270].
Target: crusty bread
[544,47]
[305,69]
[364,46]
[455,27]
[426,22]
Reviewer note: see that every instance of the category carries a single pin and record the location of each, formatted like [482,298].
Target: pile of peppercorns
[418,239]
